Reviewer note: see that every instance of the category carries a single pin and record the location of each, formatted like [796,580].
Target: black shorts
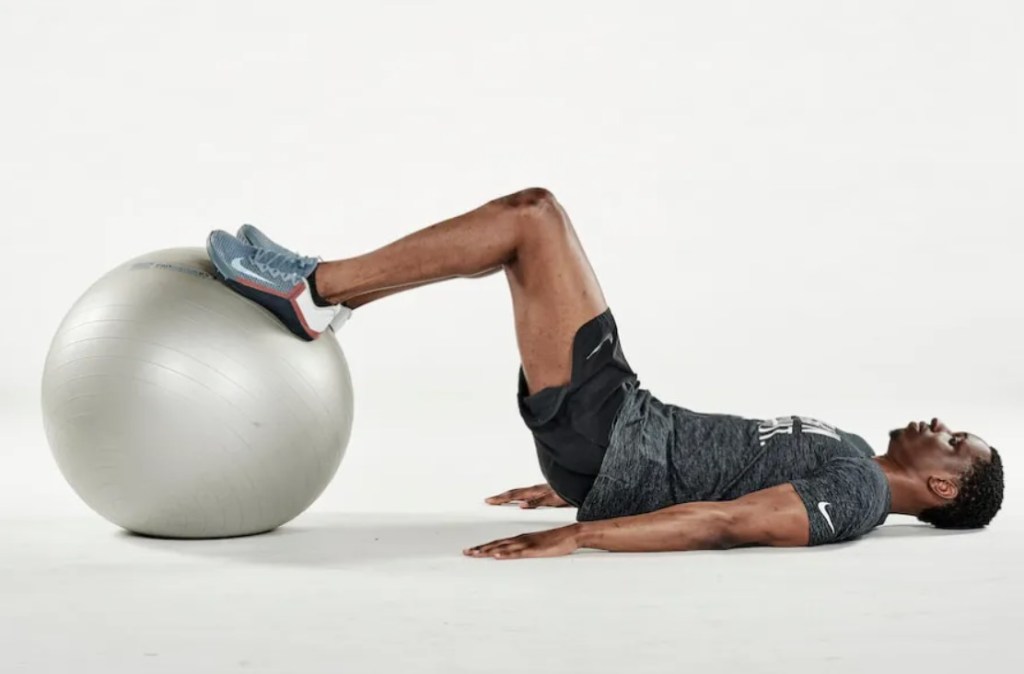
[571,423]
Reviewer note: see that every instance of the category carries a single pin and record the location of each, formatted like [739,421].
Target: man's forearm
[692,526]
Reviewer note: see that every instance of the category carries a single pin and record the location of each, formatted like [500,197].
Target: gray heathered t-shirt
[660,455]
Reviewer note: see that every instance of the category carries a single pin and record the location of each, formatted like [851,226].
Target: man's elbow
[742,527]
[747,527]
[722,530]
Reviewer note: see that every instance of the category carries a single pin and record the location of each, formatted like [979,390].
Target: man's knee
[537,212]
[530,199]
[538,222]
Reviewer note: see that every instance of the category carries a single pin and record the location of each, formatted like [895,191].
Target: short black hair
[980,497]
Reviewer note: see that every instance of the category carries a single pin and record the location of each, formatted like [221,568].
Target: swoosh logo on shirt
[607,338]
[236,264]
[822,505]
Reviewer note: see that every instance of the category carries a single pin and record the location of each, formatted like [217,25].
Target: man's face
[934,451]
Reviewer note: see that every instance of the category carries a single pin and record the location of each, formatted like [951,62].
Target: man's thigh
[554,292]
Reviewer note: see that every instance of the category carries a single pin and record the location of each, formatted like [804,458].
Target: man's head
[962,476]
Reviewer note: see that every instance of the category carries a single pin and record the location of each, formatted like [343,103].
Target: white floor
[387,590]
[391,593]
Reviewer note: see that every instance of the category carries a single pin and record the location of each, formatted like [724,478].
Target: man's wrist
[584,534]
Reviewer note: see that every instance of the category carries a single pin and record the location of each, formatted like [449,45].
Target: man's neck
[903,485]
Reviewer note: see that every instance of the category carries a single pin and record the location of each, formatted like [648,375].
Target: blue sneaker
[254,237]
[277,280]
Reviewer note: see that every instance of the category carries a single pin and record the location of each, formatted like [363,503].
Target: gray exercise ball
[177,408]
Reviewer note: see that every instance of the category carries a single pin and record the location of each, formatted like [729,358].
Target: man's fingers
[495,548]
[481,549]
[520,494]
[506,550]
[510,552]
[526,545]
[537,502]
[521,549]
[509,496]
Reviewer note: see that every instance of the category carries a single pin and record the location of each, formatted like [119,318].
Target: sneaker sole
[282,306]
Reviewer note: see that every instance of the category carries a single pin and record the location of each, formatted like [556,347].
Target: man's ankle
[314,292]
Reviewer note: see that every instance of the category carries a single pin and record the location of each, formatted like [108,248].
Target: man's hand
[550,543]
[536,496]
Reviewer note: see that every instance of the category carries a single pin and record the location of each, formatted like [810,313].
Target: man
[645,475]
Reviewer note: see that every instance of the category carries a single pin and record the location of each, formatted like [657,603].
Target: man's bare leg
[528,234]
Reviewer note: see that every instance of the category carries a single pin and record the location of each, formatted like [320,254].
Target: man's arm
[774,516]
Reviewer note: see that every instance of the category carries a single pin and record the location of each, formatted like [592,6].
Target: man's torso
[661,455]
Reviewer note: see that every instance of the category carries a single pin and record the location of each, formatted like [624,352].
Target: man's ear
[943,488]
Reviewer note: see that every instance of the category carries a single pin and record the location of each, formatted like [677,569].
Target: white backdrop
[793,207]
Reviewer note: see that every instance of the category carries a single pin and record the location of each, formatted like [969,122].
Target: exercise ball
[177,408]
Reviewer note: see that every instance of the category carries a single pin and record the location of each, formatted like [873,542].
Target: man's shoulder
[861,479]
[845,498]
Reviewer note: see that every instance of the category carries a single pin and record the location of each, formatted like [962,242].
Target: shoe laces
[283,266]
